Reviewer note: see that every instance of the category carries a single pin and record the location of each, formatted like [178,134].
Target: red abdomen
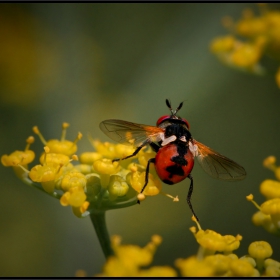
[173,163]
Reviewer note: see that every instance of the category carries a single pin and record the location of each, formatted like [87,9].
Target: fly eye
[187,123]
[161,119]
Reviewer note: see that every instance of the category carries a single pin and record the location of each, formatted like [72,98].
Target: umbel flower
[250,38]
[268,215]
[91,183]
[215,258]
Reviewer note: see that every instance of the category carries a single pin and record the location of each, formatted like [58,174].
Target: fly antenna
[168,103]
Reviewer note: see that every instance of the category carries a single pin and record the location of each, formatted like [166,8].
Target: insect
[175,150]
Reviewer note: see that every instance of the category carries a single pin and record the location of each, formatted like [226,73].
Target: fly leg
[146,175]
[189,196]
[132,155]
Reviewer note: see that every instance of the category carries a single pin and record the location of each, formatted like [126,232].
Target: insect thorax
[180,131]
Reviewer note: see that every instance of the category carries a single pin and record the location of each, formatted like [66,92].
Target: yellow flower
[272,268]
[222,44]
[261,35]
[73,179]
[74,197]
[137,181]
[117,187]
[272,208]
[61,146]
[129,260]
[89,157]
[192,267]
[261,219]
[19,158]
[270,189]
[211,241]
[55,158]
[260,250]
[241,268]
[219,262]
[105,167]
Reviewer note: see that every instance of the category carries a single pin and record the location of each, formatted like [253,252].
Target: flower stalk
[99,222]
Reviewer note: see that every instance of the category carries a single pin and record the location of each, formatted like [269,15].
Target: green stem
[99,223]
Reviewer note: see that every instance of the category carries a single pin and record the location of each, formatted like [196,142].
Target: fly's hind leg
[189,196]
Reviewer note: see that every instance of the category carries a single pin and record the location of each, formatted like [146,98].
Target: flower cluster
[262,34]
[215,258]
[268,215]
[96,182]
[129,260]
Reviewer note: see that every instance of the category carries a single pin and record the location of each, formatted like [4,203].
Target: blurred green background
[83,63]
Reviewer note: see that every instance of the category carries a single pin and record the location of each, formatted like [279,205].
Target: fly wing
[129,133]
[217,165]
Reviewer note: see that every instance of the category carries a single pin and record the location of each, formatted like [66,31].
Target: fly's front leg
[190,195]
[147,175]
[132,155]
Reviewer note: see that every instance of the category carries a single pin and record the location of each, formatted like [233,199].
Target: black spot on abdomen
[175,170]
[168,182]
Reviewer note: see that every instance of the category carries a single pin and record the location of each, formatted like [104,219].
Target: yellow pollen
[250,197]
[239,237]
[64,127]
[197,223]
[47,149]
[79,137]
[75,157]
[36,131]
[141,196]
[29,141]
[193,229]
[175,199]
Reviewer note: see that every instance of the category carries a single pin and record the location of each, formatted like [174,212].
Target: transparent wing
[129,133]
[217,165]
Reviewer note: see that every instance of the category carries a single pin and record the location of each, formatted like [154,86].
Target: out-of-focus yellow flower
[223,44]
[270,189]
[129,260]
[269,162]
[212,242]
[241,268]
[272,268]
[61,146]
[219,262]
[261,219]
[192,267]
[264,219]
[89,157]
[54,158]
[272,207]
[260,250]
[262,36]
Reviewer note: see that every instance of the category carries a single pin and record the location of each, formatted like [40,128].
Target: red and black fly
[175,150]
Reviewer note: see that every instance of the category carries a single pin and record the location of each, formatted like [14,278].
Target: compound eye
[187,123]
[161,119]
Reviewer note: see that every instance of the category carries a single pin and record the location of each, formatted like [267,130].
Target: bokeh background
[83,63]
